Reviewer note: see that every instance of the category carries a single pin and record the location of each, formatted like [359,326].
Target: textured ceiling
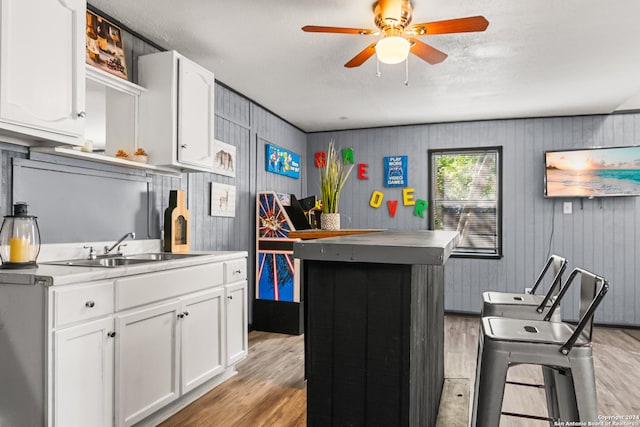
[537,58]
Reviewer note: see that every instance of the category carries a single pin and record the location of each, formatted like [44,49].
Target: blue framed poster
[395,171]
[282,162]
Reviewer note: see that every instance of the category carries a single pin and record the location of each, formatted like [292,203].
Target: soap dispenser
[19,239]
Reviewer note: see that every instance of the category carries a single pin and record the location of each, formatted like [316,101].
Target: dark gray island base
[374,343]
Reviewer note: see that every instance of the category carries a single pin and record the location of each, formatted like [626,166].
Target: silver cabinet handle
[82,114]
[111,334]
[180,315]
[237,272]
[89,304]
[183,146]
[186,313]
[230,297]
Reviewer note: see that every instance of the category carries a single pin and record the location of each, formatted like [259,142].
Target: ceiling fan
[393,18]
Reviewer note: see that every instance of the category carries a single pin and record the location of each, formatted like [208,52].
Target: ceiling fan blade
[426,52]
[459,25]
[339,30]
[360,58]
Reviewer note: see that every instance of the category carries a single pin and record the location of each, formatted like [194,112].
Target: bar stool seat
[527,331]
[562,349]
[528,305]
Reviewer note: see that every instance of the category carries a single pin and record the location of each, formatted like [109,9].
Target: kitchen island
[374,353]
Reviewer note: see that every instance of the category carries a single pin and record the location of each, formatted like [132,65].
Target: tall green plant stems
[332,178]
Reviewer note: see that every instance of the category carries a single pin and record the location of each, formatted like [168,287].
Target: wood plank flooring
[269,389]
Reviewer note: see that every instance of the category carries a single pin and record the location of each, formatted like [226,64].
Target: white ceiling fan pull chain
[406,72]
[378,73]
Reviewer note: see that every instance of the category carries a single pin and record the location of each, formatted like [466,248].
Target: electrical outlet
[567,208]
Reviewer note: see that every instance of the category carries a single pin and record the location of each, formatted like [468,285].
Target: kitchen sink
[120,261]
[159,256]
[100,262]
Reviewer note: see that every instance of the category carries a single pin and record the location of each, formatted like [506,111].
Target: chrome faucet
[107,249]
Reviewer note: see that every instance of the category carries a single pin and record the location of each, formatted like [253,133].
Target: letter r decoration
[321,159]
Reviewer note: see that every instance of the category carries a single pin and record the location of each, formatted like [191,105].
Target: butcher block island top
[374,349]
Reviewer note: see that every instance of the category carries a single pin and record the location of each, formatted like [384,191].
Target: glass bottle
[102,35]
[92,40]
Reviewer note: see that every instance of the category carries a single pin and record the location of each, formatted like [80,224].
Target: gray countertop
[387,247]
[50,275]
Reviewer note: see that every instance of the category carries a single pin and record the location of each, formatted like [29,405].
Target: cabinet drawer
[147,288]
[235,270]
[82,302]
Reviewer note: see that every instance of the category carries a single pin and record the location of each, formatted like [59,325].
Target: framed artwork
[223,200]
[395,171]
[282,161]
[224,158]
[105,48]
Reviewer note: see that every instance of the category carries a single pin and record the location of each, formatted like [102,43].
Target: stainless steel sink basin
[100,262]
[119,261]
[159,256]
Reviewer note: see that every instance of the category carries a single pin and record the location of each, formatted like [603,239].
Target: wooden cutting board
[176,223]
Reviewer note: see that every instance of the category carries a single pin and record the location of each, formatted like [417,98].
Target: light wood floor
[269,388]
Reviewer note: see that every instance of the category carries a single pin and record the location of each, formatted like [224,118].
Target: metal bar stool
[562,347]
[528,305]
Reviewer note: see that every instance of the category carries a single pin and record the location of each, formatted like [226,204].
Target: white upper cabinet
[42,54]
[177,111]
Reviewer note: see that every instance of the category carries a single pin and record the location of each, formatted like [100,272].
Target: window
[465,196]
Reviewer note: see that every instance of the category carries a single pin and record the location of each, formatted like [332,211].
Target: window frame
[499,211]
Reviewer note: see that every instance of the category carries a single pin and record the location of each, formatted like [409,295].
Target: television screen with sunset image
[596,172]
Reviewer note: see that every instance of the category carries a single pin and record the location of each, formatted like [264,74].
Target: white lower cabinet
[167,350]
[147,361]
[83,374]
[132,349]
[203,334]
[237,333]
[169,344]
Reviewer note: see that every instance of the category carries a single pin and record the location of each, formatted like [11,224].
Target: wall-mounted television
[592,172]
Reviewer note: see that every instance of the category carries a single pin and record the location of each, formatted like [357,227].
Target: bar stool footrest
[530,417]
[525,384]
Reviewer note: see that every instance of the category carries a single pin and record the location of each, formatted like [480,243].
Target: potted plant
[333,176]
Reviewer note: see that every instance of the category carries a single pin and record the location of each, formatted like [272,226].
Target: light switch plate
[567,208]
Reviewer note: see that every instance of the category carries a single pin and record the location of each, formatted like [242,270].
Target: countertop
[321,234]
[53,275]
[387,247]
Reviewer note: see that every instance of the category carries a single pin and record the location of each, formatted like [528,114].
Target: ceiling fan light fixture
[393,49]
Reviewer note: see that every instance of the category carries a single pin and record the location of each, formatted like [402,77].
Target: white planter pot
[330,221]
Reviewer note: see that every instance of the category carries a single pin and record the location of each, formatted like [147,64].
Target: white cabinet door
[196,87]
[202,338]
[42,54]
[177,111]
[147,361]
[83,375]
[237,333]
